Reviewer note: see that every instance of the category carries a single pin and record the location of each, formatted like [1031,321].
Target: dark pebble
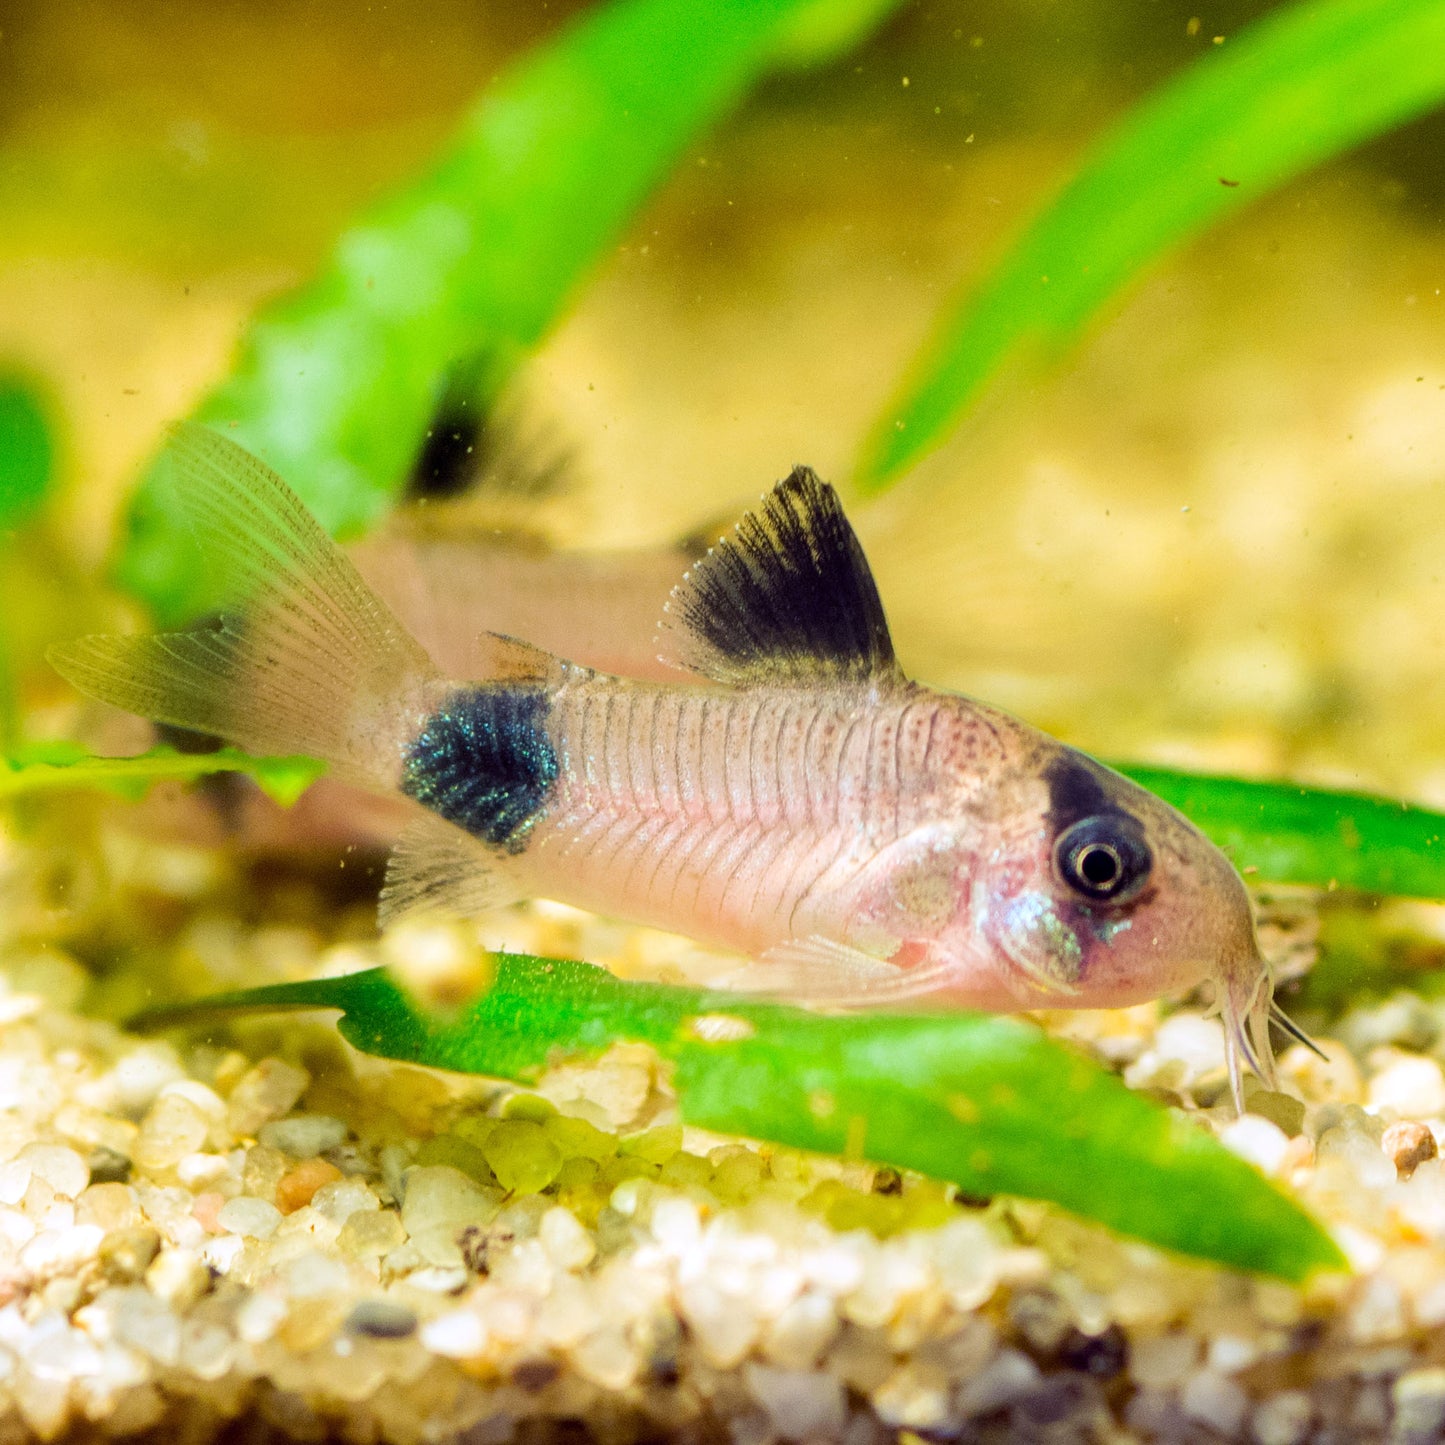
[1103,1356]
[108,1166]
[535,1375]
[381,1320]
[887,1181]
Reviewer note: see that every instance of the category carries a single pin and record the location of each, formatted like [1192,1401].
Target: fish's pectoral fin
[438,869]
[829,974]
[786,597]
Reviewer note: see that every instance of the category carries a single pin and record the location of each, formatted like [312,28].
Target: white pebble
[342,1198]
[52,1251]
[458,1335]
[967,1257]
[914,1396]
[14,1181]
[1185,1049]
[1378,1313]
[1283,1419]
[313,1275]
[259,1316]
[1214,1400]
[1419,1400]
[567,1314]
[196,1171]
[304,1136]
[569,1246]
[439,1196]
[254,1218]
[723,1325]
[606,1358]
[1008,1377]
[1256,1140]
[142,1074]
[1228,1354]
[800,1403]
[61,1168]
[1159,1362]
[802,1331]
[264,1093]
[172,1128]
[178,1276]
[1412,1087]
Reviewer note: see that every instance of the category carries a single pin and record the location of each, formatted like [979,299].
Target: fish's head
[1102,895]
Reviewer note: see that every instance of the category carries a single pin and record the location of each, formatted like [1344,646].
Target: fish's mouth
[1244,998]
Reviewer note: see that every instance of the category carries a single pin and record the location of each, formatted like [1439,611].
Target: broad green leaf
[990,1103]
[1293,834]
[27,454]
[336,383]
[50,767]
[1304,84]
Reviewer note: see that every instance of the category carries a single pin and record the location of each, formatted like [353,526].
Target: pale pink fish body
[864,838]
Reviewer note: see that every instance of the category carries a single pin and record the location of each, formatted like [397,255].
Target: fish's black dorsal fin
[786,597]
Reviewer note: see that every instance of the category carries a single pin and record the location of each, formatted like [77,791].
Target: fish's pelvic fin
[829,974]
[786,597]
[438,870]
[301,656]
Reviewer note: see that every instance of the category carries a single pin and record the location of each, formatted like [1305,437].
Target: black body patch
[484,762]
[787,597]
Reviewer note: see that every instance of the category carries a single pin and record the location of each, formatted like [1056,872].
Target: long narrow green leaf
[990,1103]
[1304,84]
[54,767]
[335,384]
[1292,834]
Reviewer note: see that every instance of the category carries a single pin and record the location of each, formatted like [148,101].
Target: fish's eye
[1104,858]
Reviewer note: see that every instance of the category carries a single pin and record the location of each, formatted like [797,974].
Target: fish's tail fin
[302,657]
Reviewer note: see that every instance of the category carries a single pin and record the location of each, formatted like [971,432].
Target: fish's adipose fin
[302,657]
[437,869]
[829,974]
[499,658]
[787,597]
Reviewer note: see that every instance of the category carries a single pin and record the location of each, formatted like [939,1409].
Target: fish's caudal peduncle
[791,795]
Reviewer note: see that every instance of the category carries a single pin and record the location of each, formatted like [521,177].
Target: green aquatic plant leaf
[52,767]
[27,468]
[27,452]
[991,1104]
[1305,83]
[1286,833]
[467,267]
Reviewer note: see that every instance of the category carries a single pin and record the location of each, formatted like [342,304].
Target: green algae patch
[988,1103]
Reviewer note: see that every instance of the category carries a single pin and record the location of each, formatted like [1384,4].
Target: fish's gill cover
[787,597]
[485,762]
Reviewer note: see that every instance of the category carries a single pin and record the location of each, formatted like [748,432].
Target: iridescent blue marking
[484,761]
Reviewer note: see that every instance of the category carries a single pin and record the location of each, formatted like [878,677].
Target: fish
[865,840]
